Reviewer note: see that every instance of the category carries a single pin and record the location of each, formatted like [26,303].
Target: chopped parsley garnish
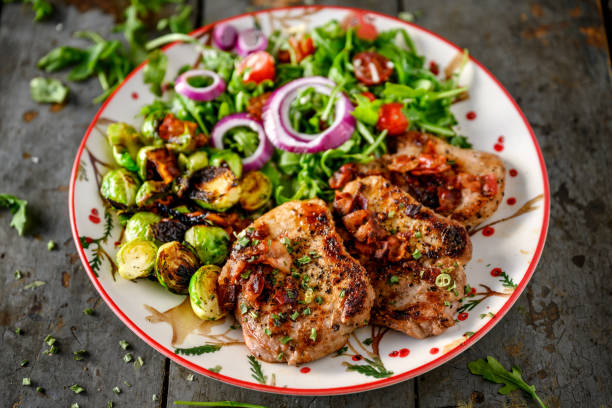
[306,311]
[139,362]
[468,334]
[447,303]
[313,334]
[342,293]
[268,331]
[51,245]
[285,339]
[128,357]
[391,214]
[50,340]
[124,344]
[17,207]
[294,315]
[245,275]
[26,381]
[319,299]
[304,260]
[243,241]
[416,254]
[279,357]
[291,294]
[89,311]
[18,331]
[190,377]
[418,234]
[117,390]
[295,274]
[287,243]
[18,274]
[40,389]
[24,363]
[253,314]
[76,388]
[79,355]
[255,242]
[393,279]
[243,308]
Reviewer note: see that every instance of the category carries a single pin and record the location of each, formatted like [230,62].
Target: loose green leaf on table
[155,70]
[493,371]
[48,90]
[42,8]
[17,207]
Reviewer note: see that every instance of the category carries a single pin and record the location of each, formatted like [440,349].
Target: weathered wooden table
[551,55]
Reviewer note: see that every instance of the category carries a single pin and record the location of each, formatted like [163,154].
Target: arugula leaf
[17,207]
[155,70]
[42,8]
[61,57]
[48,90]
[196,351]
[367,111]
[178,23]
[492,370]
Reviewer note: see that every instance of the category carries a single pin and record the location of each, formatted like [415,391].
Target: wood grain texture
[550,57]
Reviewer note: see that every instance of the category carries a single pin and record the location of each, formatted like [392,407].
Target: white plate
[512,246]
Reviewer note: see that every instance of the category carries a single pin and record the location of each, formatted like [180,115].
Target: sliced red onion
[250,41]
[200,94]
[224,36]
[278,125]
[264,150]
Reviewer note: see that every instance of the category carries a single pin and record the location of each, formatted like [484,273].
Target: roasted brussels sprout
[125,143]
[214,188]
[139,226]
[196,161]
[255,190]
[157,163]
[174,266]
[136,258]
[227,158]
[149,192]
[211,244]
[119,187]
[181,135]
[183,209]
[168,230]
[149,133]
[203,293]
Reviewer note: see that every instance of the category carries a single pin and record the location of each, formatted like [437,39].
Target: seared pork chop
[415,258]
[292,285]
[466,185]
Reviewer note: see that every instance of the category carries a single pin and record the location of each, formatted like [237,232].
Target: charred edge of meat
[169,230]
[454,239]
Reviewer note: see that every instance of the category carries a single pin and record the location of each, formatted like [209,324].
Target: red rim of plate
[317,391]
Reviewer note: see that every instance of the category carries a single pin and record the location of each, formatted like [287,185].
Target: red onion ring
[249,41]
[277,124]
[264,150]
[224,36]
[200,94]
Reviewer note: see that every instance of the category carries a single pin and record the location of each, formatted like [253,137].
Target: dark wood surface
[552,56]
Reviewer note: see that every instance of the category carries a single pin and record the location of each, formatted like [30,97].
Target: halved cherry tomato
[363,22]
[302,45]
[261,66]
[392,119]
[371,68]
[369,95]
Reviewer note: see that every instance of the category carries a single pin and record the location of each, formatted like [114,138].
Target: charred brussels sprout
[227,158]
[203,293]
[181,135]
[157,163]
[196,161]
[119,187]
[255,190]
[210,243]
[149,192]
[214,188]
[125,143]
[139,226]
[174,266]
[136,258]
[149,132]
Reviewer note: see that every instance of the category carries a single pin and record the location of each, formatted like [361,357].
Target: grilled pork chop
[293,287]
[414,257]
[466,185]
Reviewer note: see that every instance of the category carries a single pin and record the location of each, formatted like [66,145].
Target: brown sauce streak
[527,207]
[182,320]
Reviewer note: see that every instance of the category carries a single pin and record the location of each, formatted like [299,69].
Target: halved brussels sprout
[255,190]
[157,163]
[227,158]
[214,188]
[196,161]
[210,243]
[149,132]
[150,191]
[136,259]
[181,135]
[119,187]
[139,226]
[124,142]
[203,293]
[183,209]
[174,266]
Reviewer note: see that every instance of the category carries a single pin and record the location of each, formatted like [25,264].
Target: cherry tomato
[363,22]
[261,66]
[391,118]
[369,95]
[302,45]
[371,68]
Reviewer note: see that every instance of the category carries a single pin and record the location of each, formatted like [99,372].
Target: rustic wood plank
[551,55]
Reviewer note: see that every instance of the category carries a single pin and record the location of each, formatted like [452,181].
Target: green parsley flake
[79,355]
[418,234]
[190,377]
[24,363]
[74,405]
[117,390]
[215,369]
[285,339]
[110,404]
[243,241]
[18,274]
[50,340]
[124,344]
[18,331]
[468,334]
[128,357]
[243,308]
[254,314]
[139,362]
[245,275]
[76,388]
[416,254]
[304,260]
[313,334]
[26,381]
[89,311]
[393,279]
[391,214]
[267,331]
[155,397]
[306,311]
[319,299]
[342,293]
[51,245]
[294,315]
[279,357]
[40,389]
